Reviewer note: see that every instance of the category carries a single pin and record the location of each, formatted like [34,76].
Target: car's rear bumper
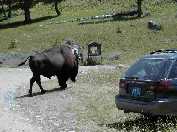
[161,106]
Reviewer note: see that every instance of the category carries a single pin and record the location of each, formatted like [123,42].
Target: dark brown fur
[58,61]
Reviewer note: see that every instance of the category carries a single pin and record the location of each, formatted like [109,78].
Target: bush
[13,44]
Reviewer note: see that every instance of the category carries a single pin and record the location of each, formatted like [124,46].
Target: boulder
[153,25]
[114,56]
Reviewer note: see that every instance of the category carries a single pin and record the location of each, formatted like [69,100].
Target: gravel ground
[79,108]
[47,113]
[11,121]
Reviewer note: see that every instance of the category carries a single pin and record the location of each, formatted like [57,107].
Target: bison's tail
[22,63]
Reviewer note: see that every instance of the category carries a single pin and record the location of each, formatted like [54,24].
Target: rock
[153,25]
[122,66]
[114,56]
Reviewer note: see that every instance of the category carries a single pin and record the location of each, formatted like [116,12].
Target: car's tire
[126,111]
[150,116]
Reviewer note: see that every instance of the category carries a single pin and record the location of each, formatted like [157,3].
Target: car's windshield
[149,69]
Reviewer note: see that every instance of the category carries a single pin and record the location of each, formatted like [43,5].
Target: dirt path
[10,121]
[47,113]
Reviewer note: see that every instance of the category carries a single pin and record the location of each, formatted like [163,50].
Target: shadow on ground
[2,19]
[22,23]
[39,93]
[153,124]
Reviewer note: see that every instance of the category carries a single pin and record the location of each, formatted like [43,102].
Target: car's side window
[173,72]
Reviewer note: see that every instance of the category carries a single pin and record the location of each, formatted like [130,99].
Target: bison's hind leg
[38,81]
[32,80]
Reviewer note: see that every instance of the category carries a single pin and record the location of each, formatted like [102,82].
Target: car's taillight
[122,83]
[122,87]
[163,86]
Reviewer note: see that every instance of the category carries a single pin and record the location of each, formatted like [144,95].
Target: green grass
[133,41]
[93,100]
[95,92]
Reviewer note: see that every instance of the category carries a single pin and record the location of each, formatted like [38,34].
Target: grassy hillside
[130,37]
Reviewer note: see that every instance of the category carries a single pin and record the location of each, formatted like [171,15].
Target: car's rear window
[149,69]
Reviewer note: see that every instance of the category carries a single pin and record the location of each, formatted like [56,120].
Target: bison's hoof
[43,91]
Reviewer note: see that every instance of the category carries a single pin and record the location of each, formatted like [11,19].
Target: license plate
[136,92]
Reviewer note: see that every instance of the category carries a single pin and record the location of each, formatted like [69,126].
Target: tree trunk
[26,8]
[139,3]
[9,8]
[27,16]
[2,8]
[56,7]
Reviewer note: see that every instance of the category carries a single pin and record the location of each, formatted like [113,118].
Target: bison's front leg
[38,81]
[62,82]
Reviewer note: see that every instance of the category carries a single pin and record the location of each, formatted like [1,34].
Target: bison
[58,61]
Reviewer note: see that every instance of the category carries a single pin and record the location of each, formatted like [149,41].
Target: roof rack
[164,51]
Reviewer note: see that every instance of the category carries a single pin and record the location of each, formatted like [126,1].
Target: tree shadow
[22,23]
[39,93]
[2,19]
[143,124]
